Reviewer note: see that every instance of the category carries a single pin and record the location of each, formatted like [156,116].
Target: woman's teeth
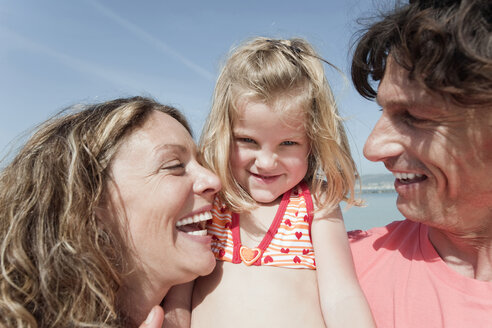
[198,233]
[205,216]
[194,225]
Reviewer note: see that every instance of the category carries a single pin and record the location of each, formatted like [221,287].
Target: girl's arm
[342,301]
[177,306]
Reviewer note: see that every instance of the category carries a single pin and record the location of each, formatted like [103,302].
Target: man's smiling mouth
[409,177]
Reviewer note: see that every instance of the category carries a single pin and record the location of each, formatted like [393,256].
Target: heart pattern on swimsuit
[249,255]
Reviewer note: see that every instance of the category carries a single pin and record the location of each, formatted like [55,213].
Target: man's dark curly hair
[446,45]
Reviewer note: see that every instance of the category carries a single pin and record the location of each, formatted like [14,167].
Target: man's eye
[409,118]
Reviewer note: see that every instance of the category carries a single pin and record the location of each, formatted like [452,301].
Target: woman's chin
[200,259]
[208,266]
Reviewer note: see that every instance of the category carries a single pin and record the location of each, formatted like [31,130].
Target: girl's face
[269,153]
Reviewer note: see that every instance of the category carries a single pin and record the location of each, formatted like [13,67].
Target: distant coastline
[377,183]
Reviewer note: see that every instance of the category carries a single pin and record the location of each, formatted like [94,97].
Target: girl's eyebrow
[240,130]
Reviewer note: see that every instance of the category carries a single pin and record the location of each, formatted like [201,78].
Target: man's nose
[384,141]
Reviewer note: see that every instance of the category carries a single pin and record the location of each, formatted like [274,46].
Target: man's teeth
[403,176]
[205,216]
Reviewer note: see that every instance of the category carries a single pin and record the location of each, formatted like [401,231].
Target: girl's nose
[266,160]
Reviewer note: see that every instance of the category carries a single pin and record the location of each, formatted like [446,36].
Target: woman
[101,212]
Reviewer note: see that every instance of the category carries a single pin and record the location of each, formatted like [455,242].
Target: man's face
[439,153]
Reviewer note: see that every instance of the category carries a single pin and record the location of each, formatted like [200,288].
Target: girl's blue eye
[247,140]
[289,143]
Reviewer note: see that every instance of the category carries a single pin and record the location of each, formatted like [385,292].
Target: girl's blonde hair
[61,264]
[267,70]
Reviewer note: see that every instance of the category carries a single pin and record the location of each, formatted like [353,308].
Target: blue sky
[56,53]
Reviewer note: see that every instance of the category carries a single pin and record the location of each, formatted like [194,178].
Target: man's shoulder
[376,249]
[388,231]
[397,235]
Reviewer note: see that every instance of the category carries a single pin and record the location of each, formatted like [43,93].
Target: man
[433,62]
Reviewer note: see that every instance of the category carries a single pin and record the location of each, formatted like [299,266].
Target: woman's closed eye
[173,166]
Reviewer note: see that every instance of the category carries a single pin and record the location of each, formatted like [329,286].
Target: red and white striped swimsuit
[287,242]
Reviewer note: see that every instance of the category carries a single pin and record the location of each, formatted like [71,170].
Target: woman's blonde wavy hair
[270,70]
[61,264]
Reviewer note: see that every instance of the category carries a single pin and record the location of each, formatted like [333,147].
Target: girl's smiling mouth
[265,178]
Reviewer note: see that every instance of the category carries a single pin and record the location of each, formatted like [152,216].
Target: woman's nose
[384,141]
[206,182]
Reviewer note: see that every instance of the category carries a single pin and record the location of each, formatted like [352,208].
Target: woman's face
[157,182]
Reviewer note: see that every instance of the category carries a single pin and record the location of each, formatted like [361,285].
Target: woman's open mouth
[195,225]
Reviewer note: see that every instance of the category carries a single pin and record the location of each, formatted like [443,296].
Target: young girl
[275,139]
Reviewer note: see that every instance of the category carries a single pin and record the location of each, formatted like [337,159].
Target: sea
[379,210]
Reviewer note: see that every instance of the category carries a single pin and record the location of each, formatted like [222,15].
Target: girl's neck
[263,212]
[255,223]
[262,206]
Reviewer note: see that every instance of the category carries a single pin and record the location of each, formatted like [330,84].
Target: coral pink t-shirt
[407,284]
